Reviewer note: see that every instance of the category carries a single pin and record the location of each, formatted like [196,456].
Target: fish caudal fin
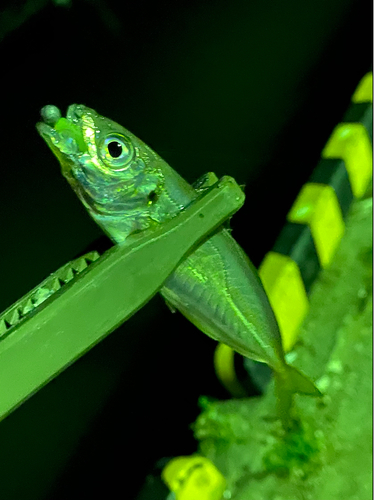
[295,381]
[287,383]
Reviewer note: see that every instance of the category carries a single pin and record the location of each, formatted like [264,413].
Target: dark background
[246,88]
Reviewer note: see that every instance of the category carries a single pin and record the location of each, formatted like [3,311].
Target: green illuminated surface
[328,456]
[85,310]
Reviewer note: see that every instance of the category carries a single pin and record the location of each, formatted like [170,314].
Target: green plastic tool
[76,307]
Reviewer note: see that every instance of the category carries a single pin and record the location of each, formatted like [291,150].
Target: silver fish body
[218,290]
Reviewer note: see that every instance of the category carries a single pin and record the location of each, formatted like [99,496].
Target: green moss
[296,451]
[217,430]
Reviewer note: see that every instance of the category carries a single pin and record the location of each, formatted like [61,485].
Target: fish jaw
[73,141]
[64,134]
[64,137]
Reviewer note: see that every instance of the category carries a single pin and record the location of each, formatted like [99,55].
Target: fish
[128,188]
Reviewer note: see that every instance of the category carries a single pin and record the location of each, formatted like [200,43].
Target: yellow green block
[225,370]
[350,142]
[317,206]
[194,478]
[363,93]
[283,284]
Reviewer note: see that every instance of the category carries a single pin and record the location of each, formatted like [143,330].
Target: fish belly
[218,290]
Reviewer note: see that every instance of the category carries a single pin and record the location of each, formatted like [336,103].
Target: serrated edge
[21,309]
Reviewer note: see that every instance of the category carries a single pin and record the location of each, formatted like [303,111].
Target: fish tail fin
[288,382]
[295,381]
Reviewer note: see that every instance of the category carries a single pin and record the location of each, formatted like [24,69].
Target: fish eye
[116,151]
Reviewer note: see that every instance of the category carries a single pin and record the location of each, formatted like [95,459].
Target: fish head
[110,169]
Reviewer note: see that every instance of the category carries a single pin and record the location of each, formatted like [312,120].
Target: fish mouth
[63,135]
